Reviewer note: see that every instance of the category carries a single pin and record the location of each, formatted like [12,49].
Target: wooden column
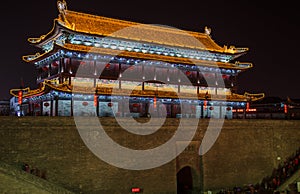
[95,74]
[49,70]
[216,84]
[234,87]
[143,78]
[97,107]
[51,107]
[120,73]
[56,105]
[63,64]
[179,81]
[143,72]
[41,108]
[168,75]
[72,105]
[198,82]
[60,69]
[70,67]
[122,105]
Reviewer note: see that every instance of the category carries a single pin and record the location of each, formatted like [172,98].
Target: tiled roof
[104,26]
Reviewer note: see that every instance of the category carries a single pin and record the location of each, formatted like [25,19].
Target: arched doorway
[185,181]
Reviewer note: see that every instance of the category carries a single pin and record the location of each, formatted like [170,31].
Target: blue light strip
[122,60]
[117,44]
[69,96]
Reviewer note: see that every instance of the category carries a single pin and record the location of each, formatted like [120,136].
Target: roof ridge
[153,26]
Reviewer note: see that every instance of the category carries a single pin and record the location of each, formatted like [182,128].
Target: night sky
[270,30]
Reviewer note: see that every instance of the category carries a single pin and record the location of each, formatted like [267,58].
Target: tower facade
[97,66]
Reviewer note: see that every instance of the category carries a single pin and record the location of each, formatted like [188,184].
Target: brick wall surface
[245,152]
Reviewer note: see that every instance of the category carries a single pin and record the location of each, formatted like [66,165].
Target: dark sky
[270,30]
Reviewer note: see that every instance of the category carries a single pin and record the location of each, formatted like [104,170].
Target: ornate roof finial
[207,30]
[62,6]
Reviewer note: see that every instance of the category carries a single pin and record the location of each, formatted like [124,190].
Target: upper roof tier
[56,50]
[102,26]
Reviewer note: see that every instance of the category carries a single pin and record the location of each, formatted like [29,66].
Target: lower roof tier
[51,85]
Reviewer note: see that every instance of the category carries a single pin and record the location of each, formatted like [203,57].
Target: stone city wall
[245,152]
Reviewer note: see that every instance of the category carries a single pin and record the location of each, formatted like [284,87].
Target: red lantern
[95,100]
[225,76]
[107,66]
[211,108]
[85,103]
[247,106]
[205,104]
[135,105]
[45,68]
[110,104]
[20,96]
[55,64]
[188,73]
[208,75]
[46,104]
[154,102]
[285,109]
[228,108]
[135,190]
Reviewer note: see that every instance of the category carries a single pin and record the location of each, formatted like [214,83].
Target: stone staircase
[17,181]
[290,184]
